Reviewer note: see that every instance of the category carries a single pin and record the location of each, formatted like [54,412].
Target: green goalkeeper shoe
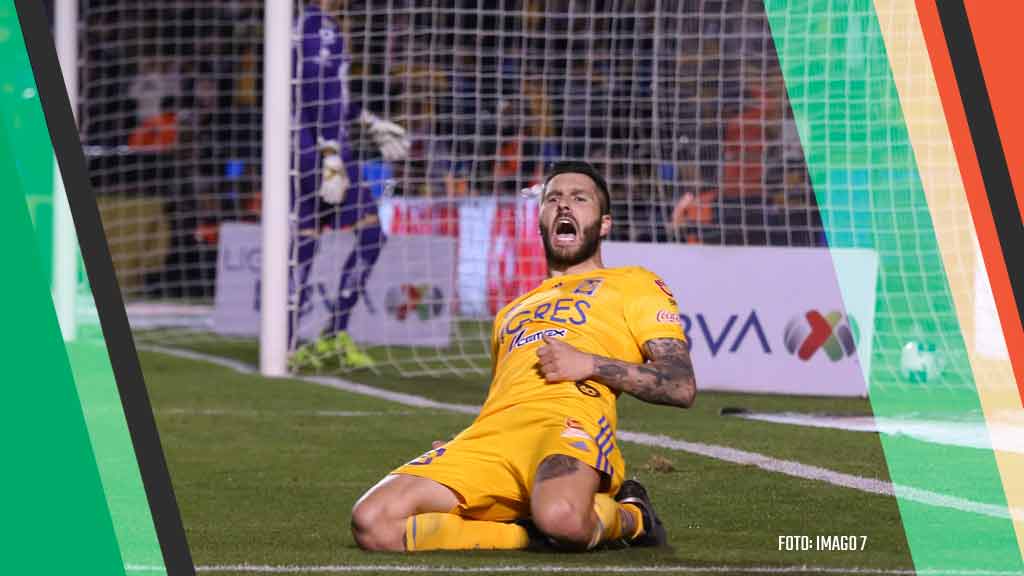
[306,356]
[350,354]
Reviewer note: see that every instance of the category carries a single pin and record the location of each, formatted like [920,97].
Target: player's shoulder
[308,12]
[634,272]
[504,311]
[638,282]
[314,19]
[634,275]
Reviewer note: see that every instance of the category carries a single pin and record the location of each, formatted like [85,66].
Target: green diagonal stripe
[54,510]
[865,177]
[88,523]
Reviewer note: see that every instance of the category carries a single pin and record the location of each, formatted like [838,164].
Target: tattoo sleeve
[667,377]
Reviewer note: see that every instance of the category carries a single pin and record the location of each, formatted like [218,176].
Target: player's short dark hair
[585,168]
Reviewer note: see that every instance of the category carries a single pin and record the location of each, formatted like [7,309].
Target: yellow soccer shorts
[492,464]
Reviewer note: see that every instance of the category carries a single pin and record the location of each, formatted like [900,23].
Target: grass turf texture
[265,474]
[814,446]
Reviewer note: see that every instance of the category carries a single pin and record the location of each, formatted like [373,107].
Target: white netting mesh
[679,102]
[169,117]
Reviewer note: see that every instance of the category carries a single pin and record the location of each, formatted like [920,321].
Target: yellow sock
[638,519]
[610,525]
[440,531]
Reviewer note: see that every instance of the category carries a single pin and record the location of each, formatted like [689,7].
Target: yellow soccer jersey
[610,312]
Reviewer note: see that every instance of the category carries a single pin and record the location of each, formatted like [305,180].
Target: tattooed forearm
[667,379]
[610,371]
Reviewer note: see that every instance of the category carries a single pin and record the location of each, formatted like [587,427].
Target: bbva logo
[835,333]
[718,336]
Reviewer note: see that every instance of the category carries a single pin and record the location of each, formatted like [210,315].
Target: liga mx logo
[835,333]
[426,301]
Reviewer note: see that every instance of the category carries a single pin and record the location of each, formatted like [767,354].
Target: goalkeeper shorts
[491,465]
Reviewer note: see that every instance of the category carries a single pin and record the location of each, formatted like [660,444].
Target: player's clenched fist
[561,362]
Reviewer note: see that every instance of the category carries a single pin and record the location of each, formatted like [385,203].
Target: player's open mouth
[565,231]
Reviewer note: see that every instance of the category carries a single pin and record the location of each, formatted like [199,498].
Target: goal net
[169,119]
[684,105]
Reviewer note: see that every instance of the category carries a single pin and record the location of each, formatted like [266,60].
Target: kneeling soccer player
[543,446]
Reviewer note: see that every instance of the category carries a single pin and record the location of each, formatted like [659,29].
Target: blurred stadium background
[682,104]
[817,285]
[672,100]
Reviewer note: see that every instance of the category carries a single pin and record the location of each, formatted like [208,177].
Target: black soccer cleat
[539,541]
[633,492]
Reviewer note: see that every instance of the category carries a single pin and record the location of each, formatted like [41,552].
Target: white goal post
[277,141]
[65,243]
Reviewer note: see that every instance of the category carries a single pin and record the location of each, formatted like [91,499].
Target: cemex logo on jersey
[426,301]
[835,333]
[522,338]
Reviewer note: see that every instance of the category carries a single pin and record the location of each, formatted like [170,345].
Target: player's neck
[588,265]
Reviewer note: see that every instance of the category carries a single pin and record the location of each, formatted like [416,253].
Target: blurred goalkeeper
[328,193]
[540,464]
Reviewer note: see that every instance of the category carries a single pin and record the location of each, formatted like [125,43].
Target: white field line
[559,569]
[724,453]
[398,397]
[799,470]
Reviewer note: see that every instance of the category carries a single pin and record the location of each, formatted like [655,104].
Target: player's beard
[561,258]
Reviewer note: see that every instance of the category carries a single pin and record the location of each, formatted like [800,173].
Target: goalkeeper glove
[388,136]
[335,180]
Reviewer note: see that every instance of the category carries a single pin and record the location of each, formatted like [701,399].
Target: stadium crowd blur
[680,102]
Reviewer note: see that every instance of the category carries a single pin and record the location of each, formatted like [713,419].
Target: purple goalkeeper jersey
[321,71]
[320,64]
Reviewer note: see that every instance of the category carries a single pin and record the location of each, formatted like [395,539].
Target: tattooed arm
[666,379]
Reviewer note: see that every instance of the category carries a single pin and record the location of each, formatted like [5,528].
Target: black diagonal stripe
[987,145]
[113,320]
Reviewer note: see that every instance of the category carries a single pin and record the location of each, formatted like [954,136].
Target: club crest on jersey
[588,286]
[522,338]
[328,36]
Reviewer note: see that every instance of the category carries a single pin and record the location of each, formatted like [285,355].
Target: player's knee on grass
[379,517]
[374,528]
[562,501]
[566,523]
